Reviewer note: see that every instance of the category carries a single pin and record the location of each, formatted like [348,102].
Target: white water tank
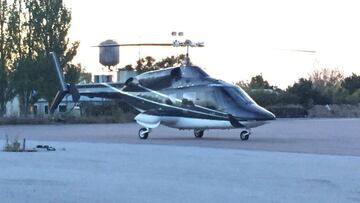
[109,53]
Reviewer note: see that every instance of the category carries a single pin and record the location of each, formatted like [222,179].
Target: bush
[13,146]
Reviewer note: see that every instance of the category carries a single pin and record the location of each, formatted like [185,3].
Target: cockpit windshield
[238,95]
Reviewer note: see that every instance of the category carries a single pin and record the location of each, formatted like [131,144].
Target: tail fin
[62,86]
[57,100]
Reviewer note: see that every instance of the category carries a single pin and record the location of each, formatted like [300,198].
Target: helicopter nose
[268,115]
[263,114]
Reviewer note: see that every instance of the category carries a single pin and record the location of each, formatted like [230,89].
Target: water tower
[109,53]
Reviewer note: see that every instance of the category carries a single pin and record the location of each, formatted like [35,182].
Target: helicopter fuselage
[185,98]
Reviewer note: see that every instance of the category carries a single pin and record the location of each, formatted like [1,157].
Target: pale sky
[242,38]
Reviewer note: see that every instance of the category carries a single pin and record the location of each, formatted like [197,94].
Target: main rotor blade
[147,44]
[300,50]
[136,45]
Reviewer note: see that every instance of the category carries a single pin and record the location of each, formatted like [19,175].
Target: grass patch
[16,146]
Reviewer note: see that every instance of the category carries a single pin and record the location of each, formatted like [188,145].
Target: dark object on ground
[47,147]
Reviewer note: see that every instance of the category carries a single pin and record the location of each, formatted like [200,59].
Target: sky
[242,38]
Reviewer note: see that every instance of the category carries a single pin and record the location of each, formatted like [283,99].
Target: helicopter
[183,97]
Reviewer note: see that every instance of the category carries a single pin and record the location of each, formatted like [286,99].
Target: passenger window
[189,98]
[206,99]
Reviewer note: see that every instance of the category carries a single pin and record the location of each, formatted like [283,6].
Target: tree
[6,53]
[4,88]
[258,82]
[36,28]
[351,83]
[24,80]
[52,22]
[85,77]
[171,61]
[244,85]
[72,73]
[326,77]
[128,68]
[354,98]
[304,90]
[261,91]
[328,84]
[145,64]
[306,93]
[3,49]
[149,63]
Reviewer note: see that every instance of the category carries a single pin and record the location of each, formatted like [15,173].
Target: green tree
[24,80]
[171,61]
[36,28]
[3,68]
[149,63]
[258,82]
[72,73]
[145,64]
[307,95]
[6,92]
[261,91]
[351,83]
[354,98]
[52,22]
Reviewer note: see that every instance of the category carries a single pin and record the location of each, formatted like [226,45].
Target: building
[103,78]
[41,107]
[124,74]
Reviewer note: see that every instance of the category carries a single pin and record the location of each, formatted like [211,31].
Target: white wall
[13,108]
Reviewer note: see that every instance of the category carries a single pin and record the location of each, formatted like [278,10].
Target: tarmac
[288,160]
[316,136]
